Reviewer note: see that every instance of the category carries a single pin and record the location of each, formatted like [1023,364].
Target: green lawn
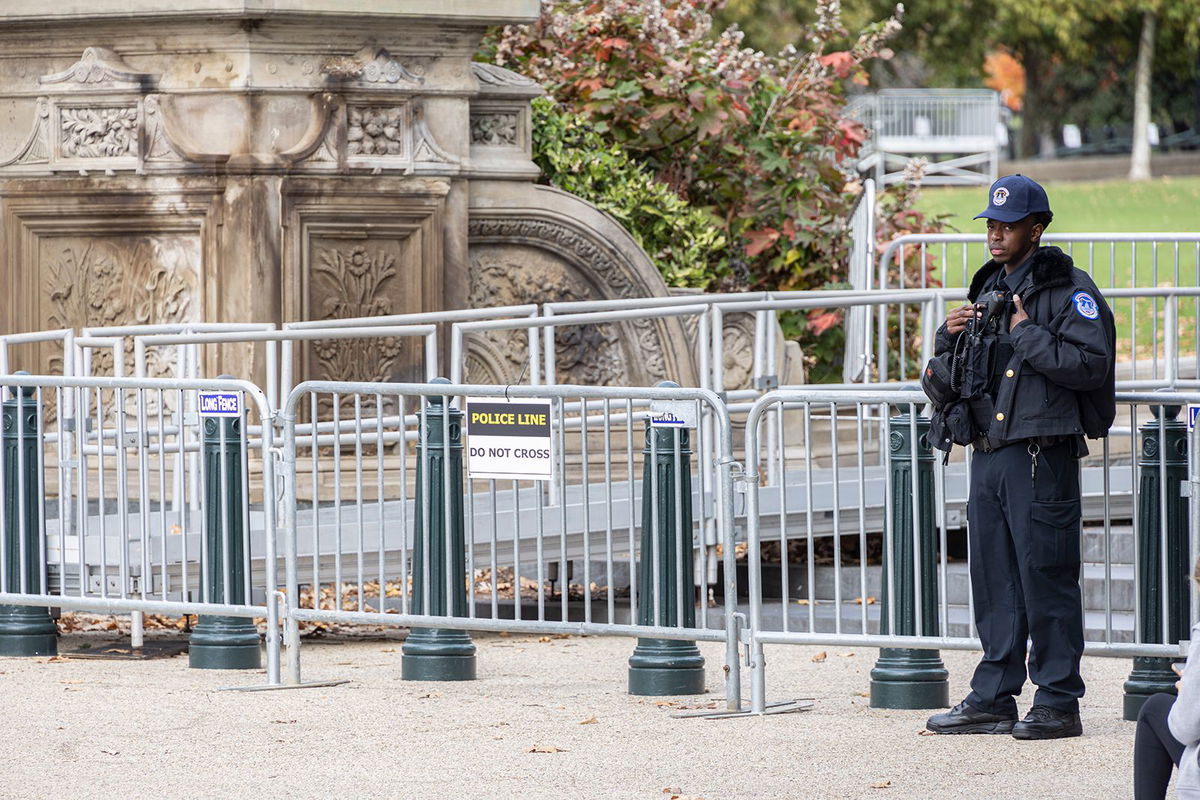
[1167,205]
[1163,204]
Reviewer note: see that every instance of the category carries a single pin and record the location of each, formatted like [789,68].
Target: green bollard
[906,677]
[661,667]
[221,642]
[1152,675]
[432,654]
[24,630]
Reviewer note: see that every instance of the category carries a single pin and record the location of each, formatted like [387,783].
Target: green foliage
[684,241]
[759,141]
[754,145]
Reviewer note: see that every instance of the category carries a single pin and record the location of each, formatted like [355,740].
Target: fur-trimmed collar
[1050,267]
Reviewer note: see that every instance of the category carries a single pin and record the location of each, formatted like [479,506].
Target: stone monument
[279,160]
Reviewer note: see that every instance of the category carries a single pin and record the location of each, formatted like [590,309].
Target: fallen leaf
[546,749]
[543,638]
[926,733]
[388,650]
[802,601]
[505,634]
[881,785]
[819,657]
[859,601]
[590,720]
[845,655]
[863,694]
[661,703]
[669,790]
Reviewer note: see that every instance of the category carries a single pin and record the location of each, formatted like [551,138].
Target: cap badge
[1000,196]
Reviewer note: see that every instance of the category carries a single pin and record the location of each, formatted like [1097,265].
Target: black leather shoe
[964,718]
[1044,722]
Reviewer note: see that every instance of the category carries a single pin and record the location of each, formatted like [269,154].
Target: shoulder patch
[1085,305]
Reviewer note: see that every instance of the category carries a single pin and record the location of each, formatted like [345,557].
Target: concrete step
[957,585]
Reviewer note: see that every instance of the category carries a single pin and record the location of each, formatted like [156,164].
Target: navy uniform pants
[1024,561]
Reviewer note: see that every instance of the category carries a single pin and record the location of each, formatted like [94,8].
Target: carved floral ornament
[121,280]
[102,132]
[495,129]
[377,130]
[354,281]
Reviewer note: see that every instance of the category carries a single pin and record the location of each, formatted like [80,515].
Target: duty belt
[984,444]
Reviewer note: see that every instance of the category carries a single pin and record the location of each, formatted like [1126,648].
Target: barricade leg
[24,630]
[908,677]
[221,642]
[1162,605]
[439,552]
[666,666]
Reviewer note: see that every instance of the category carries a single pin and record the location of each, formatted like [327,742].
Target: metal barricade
[1137,273]
[359,509]
[903,123]
[103,517]
[842,542]
[279,367]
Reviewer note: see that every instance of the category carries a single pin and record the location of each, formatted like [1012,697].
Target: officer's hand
[956,320]
[1018,315]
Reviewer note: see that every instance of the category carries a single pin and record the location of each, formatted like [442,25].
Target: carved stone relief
[738,346]
[594,263]
[497,129]
[354,281]
[377,130]
[371,65]
[592,354]
[35,150]
[99,65]
[121,280]
[99,132]
[490,75]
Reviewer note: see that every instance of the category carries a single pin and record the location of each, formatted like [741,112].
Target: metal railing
[931,122]
[360,505]
[102,516]
[834,577]
[1149,280]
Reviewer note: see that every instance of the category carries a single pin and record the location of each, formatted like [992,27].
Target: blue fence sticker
[1193,413]
[220,404]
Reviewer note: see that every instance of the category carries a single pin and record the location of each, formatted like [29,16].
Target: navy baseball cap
[1015,197]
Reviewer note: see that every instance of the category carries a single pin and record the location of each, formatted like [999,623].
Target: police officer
[1049,382]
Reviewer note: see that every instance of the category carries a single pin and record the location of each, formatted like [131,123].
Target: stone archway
[536,244]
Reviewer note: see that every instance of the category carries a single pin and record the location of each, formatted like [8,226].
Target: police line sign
[220,404]
[509,440]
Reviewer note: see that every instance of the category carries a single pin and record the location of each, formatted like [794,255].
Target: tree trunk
[1029,106]
[1139,161]
[1037,130]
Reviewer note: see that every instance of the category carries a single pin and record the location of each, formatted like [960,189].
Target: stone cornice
[485,12]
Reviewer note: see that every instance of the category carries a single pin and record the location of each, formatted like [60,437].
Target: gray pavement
[79,728]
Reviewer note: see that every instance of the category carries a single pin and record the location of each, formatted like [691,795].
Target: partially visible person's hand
[956,320]
[1018,315]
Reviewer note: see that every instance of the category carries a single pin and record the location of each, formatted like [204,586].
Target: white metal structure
[907,123]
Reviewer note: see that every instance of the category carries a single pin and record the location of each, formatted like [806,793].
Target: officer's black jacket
[1061,378]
